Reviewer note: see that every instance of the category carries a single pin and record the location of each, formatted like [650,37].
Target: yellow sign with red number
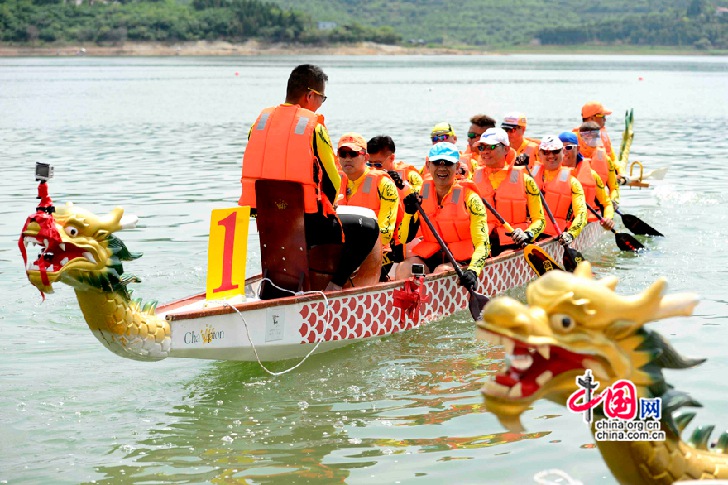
[227,251]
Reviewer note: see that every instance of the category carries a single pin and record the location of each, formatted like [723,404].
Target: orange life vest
[367,195]
[451,221]
[281,148]
[606,141]
[598,156]
[583,173]
[509,199]
[530,148]
[557,194]
[404,170]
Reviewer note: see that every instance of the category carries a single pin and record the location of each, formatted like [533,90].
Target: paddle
[638,226]
[538,259]
[623,240]
[476,301]
[572,257]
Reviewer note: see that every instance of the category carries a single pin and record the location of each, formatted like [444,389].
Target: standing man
[562,192]
[363,186]
[458,215]
[290,142]
[515,125]
[512,192]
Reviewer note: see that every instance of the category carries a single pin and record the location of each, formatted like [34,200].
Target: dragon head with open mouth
[571,323]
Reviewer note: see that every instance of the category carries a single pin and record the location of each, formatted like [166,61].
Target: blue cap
[568,137]
[444,151]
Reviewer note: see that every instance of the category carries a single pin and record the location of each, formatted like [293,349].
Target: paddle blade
[625,242]
[539,260]
[476,302]
[572,258]
[638,226]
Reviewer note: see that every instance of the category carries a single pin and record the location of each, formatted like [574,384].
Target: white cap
[494,136]
[550,143]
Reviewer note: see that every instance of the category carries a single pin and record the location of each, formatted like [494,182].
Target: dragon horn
[679,305]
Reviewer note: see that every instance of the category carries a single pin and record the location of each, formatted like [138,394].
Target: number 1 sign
[227,251]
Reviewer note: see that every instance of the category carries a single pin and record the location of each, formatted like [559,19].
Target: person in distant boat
[457,212]
[515,125]
[510,190]
[406,177]
[592,147]
[444,132]
[290,142]
[364,186]
[478,125]
[595,192]
[563,193]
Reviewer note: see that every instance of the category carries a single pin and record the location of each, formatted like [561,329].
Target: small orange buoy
[640,78]
[236,73]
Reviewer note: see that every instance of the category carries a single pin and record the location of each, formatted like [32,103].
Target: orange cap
[354,141]
[594,108]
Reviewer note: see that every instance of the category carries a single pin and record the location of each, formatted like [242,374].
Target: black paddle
[538,259]
[638,226]
[572,257]
[623,240]
[476,301]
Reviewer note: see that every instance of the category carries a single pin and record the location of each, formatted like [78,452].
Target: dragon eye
[563,322]
[72,231]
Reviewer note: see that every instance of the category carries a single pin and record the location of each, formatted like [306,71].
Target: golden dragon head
[74,246]
[572,323]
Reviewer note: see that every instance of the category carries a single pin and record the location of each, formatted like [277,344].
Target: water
[164,137]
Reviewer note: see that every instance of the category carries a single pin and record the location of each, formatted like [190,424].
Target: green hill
[496,24]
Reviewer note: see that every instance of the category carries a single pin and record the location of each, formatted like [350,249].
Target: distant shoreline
[255,48]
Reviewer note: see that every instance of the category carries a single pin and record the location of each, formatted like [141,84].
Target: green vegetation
[34,21]
[483,24]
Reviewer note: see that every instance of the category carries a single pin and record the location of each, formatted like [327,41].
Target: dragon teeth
[545,351]
[46,243]
[544,378]
[521,362]
[494,389]
[509,345]
[63,246]
[64,261]
[89,256]
[516,391]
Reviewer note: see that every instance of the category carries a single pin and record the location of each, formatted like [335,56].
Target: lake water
[163,137]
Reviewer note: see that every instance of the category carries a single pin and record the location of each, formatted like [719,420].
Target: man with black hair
[290,142]
[478,124]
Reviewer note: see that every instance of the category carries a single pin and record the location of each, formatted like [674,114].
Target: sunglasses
[438,138]
[508,129]
[568,148]
[599,115]
[550,152]
[323,97]
[442,163]
[374,164]
[472,135]
[349,154]
[490,148]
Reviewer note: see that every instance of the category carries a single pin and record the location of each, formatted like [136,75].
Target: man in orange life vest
[290,142]
[363,186]
[458,215]
[596,112]
[443,132]
[591,146]
[511,191]
[478,125]
[515,125]
[381,150]
[563,193]
[595,193]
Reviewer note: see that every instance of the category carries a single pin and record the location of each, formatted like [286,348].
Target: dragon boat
[577,336]
[80,249]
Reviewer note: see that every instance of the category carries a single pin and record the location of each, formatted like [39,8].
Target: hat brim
[353,146]
[445,158]
[508,125]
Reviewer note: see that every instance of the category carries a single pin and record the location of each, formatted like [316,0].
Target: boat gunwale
[297,299]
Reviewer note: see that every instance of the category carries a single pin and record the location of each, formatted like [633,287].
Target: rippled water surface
[164,138]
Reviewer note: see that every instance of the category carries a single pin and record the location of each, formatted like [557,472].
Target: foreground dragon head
[74,246]
[572,323]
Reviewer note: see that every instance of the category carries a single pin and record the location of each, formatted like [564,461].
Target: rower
[364,186]
[595,192]
[443,132]
[290,143]
[592,147]
[512,192]
[478,124]
[562,192]
[595,112]
[457,212]
[515,125]
[381,150]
